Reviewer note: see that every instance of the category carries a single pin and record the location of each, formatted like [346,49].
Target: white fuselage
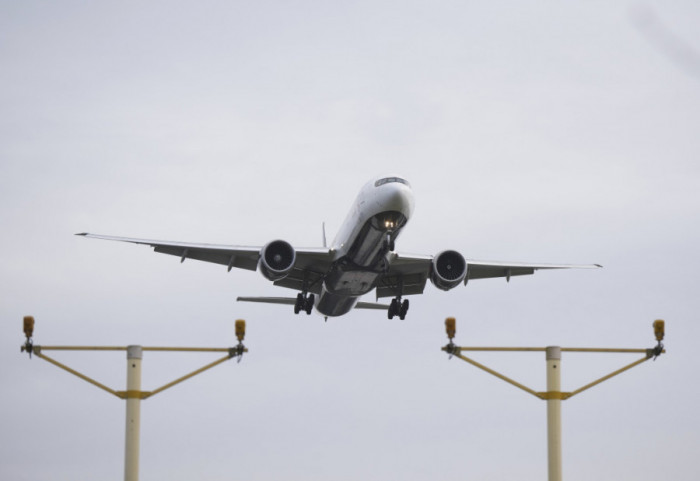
[361,248]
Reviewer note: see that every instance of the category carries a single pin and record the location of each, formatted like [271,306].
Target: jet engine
[448,269]
[276,260]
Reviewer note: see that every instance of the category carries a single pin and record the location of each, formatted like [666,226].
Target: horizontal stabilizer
[270,300]
[292,300]
[371,305]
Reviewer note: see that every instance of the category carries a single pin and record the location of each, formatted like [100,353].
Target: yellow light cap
[240,330]
[28,326]
[659,329]
[451,327]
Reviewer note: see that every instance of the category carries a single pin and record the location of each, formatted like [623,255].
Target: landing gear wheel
[393,308]
[299,304]
[309,304]
[403,310]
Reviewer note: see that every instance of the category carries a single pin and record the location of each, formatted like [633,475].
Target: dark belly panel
[334,305]
[347,280]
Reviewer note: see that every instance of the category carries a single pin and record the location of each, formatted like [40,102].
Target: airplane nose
[399,198]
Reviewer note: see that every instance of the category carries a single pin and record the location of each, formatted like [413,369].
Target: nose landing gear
[390,242]
[304,303]
[398,308]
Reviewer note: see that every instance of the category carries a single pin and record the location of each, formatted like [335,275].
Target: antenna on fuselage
[323,228]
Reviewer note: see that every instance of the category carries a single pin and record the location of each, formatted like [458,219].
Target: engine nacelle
[448,269]
[276,260]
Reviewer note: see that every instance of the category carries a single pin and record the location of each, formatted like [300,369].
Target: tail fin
[323,228]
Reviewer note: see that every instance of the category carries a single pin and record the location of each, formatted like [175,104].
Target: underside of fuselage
[356,273]
[333,305]
[375,239]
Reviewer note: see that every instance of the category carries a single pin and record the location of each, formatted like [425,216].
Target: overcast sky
[530,131]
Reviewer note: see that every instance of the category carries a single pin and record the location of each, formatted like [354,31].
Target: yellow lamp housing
[659,329]
[240,330]
[451,327]
[28,326]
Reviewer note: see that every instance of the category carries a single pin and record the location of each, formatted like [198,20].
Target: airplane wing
[408,274]
[310,265]
[487,269]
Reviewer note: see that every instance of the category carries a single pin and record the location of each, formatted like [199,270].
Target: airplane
[362,258]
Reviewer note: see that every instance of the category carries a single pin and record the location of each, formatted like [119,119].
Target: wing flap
[302,279]
[486,272]
[228,258]
[407,275]
[401,285]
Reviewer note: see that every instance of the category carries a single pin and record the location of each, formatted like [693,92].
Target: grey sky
[530,131]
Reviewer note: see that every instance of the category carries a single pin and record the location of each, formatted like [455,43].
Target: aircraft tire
[403,310]
[393,309]
[299,303]
[309,304]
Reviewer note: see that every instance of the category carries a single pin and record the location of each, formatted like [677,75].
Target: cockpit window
[388,180]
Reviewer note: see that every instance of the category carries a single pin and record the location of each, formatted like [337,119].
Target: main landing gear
[304,303]
[398,308]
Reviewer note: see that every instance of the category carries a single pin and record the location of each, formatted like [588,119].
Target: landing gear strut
[390,242]
[398,308]
[304,303]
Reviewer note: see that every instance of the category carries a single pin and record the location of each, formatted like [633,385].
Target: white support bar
[554,413]
[133,412]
